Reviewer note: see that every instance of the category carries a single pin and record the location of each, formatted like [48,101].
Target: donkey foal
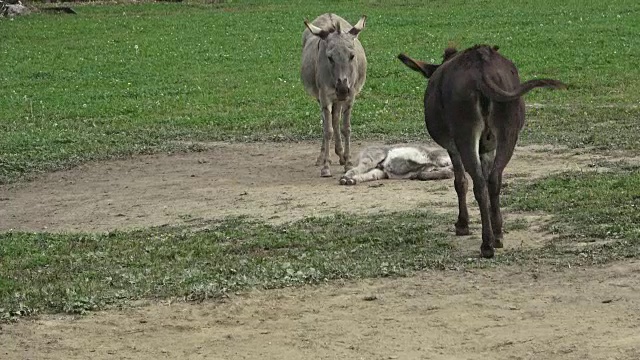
[399,162]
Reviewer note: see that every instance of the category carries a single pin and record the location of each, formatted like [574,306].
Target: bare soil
[509,313]
[276,182]
[505,313]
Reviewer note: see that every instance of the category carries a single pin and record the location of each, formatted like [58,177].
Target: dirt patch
[276,182]
[508,313]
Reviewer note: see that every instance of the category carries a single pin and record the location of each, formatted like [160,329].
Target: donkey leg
[320,159]
[507,139]
[472,163]
[335,123]
[439,174]
[348,177]
[460,183]
[494,182]
[365,171]
[371,175]
[326,141]
[346,133]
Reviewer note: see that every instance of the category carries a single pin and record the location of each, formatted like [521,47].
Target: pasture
[158,194]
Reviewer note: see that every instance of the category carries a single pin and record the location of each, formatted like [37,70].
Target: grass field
[119,80]
[124,79]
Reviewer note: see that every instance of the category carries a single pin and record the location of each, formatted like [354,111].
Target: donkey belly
[404,161]
[308,67]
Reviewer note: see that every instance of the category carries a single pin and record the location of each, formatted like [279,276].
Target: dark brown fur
[474,109]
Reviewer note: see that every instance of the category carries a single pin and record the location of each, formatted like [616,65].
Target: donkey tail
[493,91]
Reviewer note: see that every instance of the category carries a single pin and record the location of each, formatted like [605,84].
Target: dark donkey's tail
[494,92]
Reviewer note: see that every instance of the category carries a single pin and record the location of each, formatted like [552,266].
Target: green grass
[587,207]
[125,79]
[74,273]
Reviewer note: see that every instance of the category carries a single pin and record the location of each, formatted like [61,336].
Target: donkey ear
[355,30]
[416,65]
[321,33]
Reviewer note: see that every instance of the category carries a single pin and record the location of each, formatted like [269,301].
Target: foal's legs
[368,160]
[371,175]
[440,174]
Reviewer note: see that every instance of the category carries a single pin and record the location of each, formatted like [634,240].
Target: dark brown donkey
[474,109]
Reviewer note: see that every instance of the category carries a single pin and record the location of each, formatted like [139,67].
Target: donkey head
[339,59]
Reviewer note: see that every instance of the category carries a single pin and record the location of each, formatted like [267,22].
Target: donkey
[399,162]
[473,107]
[334,68]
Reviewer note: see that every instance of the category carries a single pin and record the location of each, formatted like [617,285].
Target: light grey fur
[8,9]
[333,70]
[414,162]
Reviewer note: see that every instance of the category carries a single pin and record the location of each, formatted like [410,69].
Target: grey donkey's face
[341,57]
[339,60]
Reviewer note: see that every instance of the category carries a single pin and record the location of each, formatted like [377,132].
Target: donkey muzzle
[342,89]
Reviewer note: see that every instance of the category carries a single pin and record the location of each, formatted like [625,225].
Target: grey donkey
[334,68]
[413,162]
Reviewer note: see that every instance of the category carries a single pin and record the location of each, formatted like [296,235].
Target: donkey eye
[330,59]
[351,57]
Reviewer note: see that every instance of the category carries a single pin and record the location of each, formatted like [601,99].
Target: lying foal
[414,162]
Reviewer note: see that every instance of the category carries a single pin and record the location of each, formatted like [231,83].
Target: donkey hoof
[325,172]
[486,251]
[462,231]
[347,181]
[497,243]
[343,161]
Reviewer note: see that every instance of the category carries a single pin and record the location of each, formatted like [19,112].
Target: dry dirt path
[276,182]
[509,313]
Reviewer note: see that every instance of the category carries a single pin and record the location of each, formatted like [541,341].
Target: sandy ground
[505,313]
[510,313]
[276,182]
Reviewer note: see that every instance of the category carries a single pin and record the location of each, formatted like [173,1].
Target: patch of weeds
[515,224]
[75,273]
[587,207]
[17,312]
[78,304]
